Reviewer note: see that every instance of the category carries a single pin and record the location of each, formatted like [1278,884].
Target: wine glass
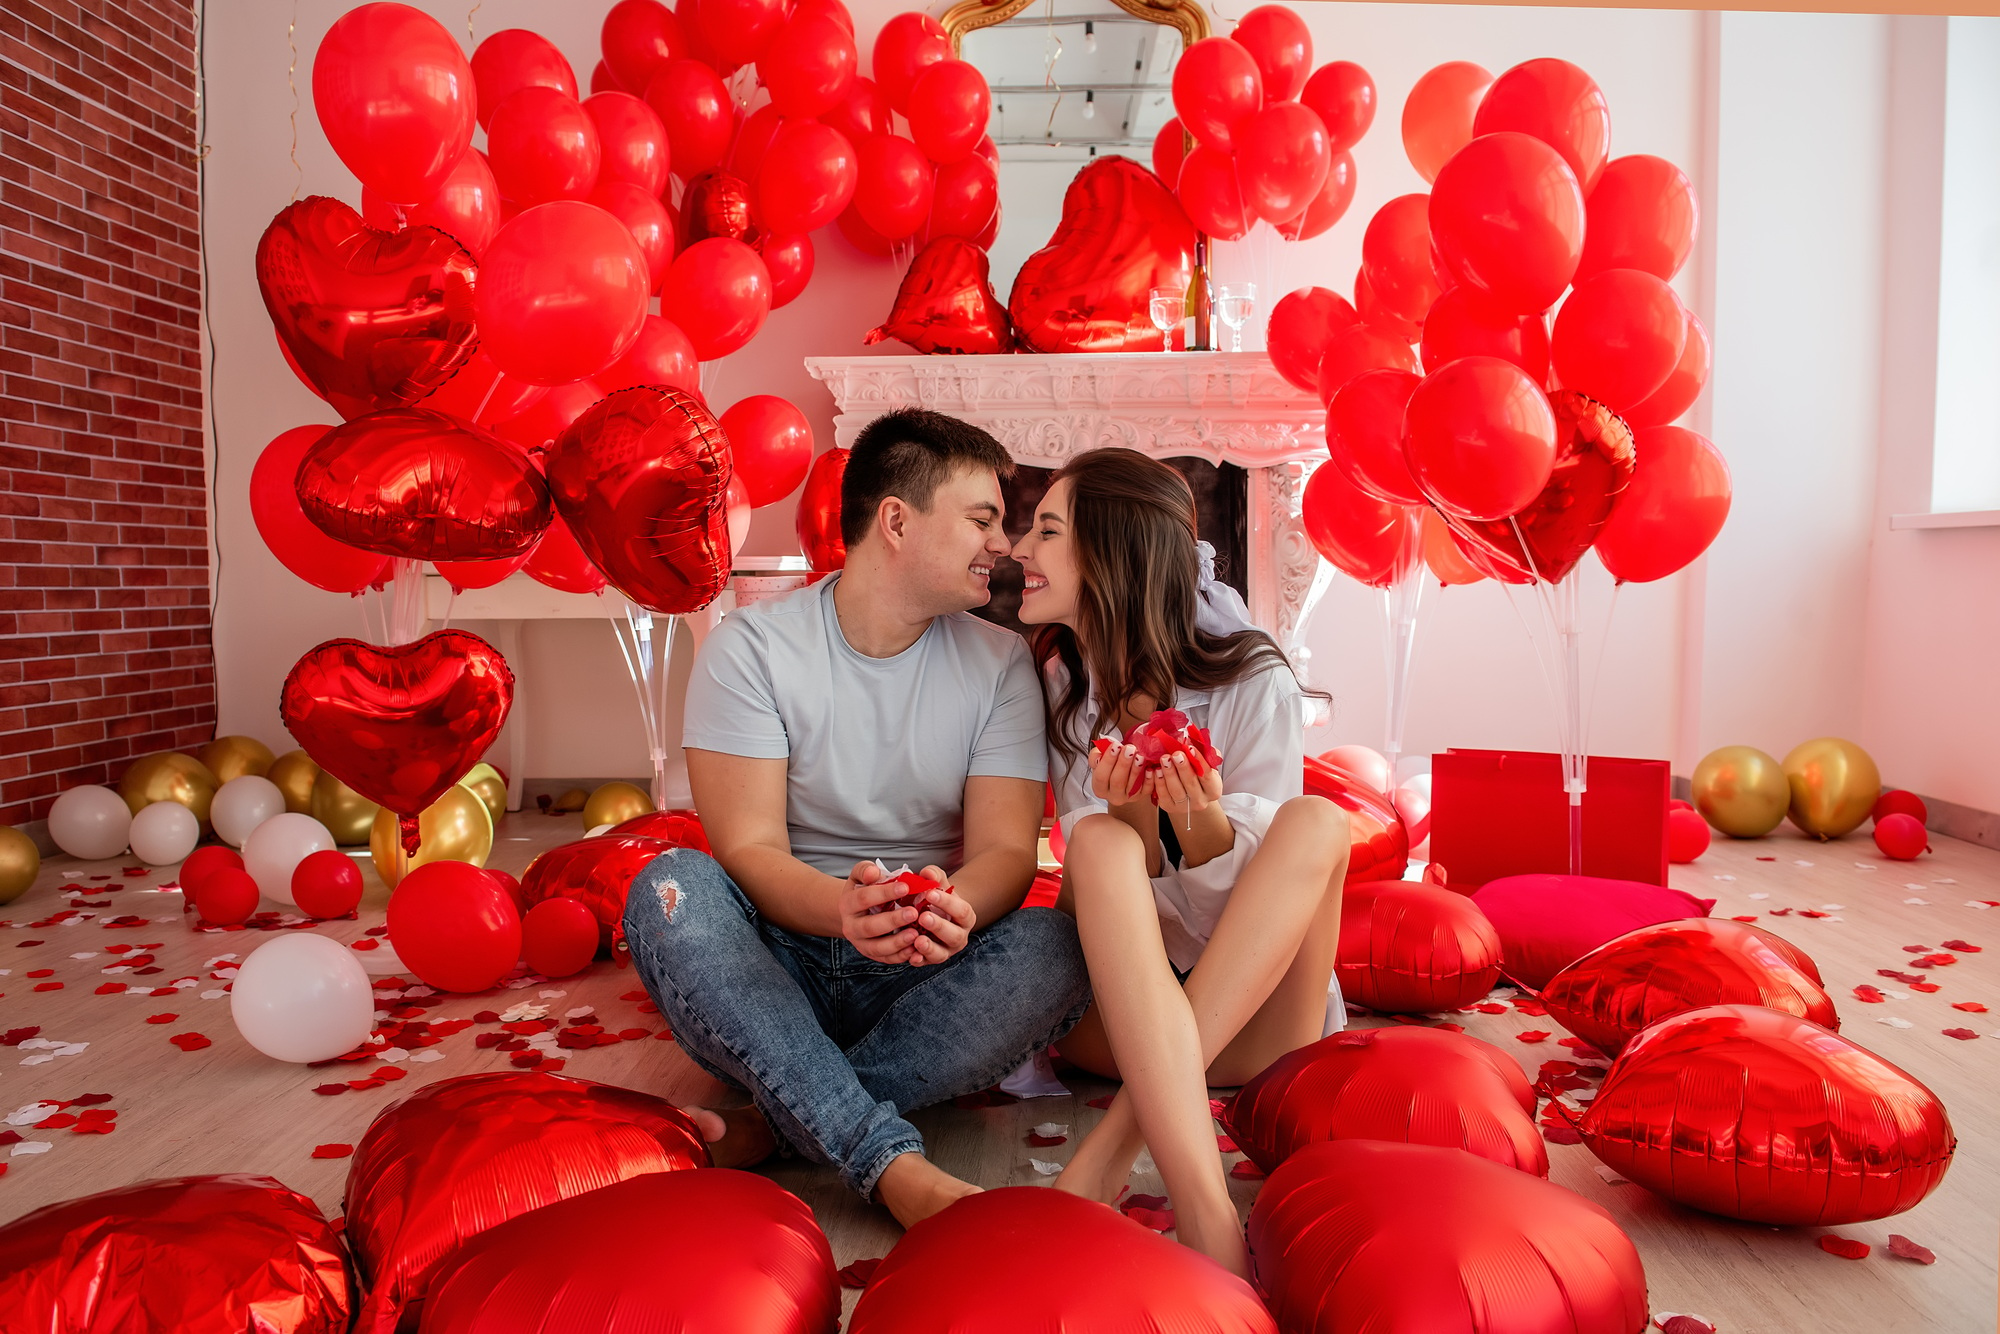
[1234,304]
[1164,305]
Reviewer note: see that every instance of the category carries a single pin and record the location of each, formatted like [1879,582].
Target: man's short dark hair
[908,454]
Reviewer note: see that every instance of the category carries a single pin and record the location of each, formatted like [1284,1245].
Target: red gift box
[1497,813]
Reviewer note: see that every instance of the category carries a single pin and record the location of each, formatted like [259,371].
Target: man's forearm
[995,882]
[785,890]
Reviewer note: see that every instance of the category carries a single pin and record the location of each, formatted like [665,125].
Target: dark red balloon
[809,174]
[1049,1261]
[817,520]
[694,106]
[1364,435]
[863,237]
[716,203]
[463,1155]
[597,872]
[789,261]
[894,186]
[706,1250]
[633,140]
[1396,256]
[1407,948]
[1901,838]
[297,543]
[415,483]
[1405,1085]
[1365,538]
[1557,103]
[907,45]
[1676,503]
[371,320]
[1507,215]
[1460,325]
[602,80]
[1328,206]
[1122,234]
[1281,44]
[950,105]
[1217,86]
[1547,922]
[1300,326]
[719,293]
[399,725]
[1344,96]
[662,355]
[513,59]
[1641,214]
[1368,1235]
[770,444]
[1684,383]
[195,1255]
[638,37]
[1618,337]
[678,828]
[946,303]
[809,65]
[1756,1114]
[396,99]
[641,478]
[1480,437]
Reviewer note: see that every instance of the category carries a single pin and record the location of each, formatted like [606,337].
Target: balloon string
[292,82]
[470,35]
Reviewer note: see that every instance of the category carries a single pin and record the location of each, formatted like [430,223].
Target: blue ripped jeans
[833,1046]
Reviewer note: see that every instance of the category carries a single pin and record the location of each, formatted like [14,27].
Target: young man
[867,716]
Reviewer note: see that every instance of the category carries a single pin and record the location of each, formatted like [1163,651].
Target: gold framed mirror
[1186,15]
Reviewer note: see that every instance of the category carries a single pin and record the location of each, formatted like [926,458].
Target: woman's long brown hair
[1131,519]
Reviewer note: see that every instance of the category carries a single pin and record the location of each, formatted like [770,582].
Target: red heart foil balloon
[946,303]
[597,872]
[717,204]
[1122,234]
[680,828]
[1548,922]
[463,1155]
[196,1255]
[1411,1085]
[1623,987]
[1378,843]
[713,1250]
[371,319]
[817,520]
[1594,461]
[415,483]
[399,725]
[1756,1114]
[1414,949]
[642,479]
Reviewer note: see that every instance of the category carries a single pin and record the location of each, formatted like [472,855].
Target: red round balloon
[809,65]
[1357,349]
[1362,1234]
[465,208]
[602,80]
[204,862]
[396,98]
[1460,325]
[1301,324]
[483,394]
[513,59]
[1283,156]
[1683,385]
[809,174]
[965,200]
[1403,1085]
[1480,438]
[894,185]
[1364,435]
[1618,337]
[1438,113]
[195,1255]
[641,478]
[596,872]
[719,292]
[369,319]
[1641,215]
[1755,1114]
[1378,316]
[1557,103]
[1281,44]
[949,108]
[1122,234]
[509,884]
[294,539]
[633,140]
[1901,837]
[817,520]
[559,562]
[789,261]
[227,896]
[753,140]
[1328,206]
[861,115]
[558,407]
[1211,194]
[1898,802]
[399,725]
[1364,537]
[1507,215]
[558,937]
[643,214]
[1687,836]
[463,1155]
[562,292]
[1217,86]
[907,45]
[638,38]
[1049,1261]
[1344,96]
[326,884]
[454,926]
[700,119]
[1396,256]
[661,356]
[711,1250]
[1674,506]
[1170,149]
[737,31]
[414,483]
[465,574]
[771,444]
[1407,948]
[677,828]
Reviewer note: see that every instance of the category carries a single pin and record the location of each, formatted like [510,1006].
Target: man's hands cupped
[887,919]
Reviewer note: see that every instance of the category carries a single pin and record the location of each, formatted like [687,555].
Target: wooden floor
[224,1108]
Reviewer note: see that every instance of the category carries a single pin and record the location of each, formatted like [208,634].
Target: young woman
[1207,898]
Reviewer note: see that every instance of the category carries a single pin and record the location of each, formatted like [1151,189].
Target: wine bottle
[1197,312]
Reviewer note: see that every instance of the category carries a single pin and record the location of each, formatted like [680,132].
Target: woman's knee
[1101,838]
[1316,823]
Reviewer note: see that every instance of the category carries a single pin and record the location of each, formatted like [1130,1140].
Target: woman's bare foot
[1101,1167]
[736,1136]
[913,1188]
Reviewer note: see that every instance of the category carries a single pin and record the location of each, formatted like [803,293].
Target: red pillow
[1548,922]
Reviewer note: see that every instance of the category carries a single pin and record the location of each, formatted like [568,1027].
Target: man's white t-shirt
[878,749]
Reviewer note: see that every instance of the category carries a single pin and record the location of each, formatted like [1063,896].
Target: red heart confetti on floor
[367,944]
[1747,917]
[1247,1171]
[857,1274]
[1961,947]
[1811,912]
[1532,1035]
[1689,1324]
[161,1018]
[1962,1034]
[1561,1135]
[1869,995]
[1847,1248]
[189,1041]
[1920,985]
[332,1150]
[1904,1249]
[1970,1007]
[1046,1141]
[1224,1144]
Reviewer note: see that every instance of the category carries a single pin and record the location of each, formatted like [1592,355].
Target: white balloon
[241,804]
[90,823]
[164,832]
[301,997]
[276,847]
[599,829]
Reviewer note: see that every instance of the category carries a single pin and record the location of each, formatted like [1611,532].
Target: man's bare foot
[737,1136]
[913,1188]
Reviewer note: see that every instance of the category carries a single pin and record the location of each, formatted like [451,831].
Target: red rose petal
[1688,1324]
[332,1150]
[91,1100]
[1916,949]
[1522,1005]
[329,1090]
[1747,917]
[99,1126]
[60,1121]
[640,995]
[1159,1220]
[1247,1171]
[1100,1103]
[1561,1135]
[9,1137]
[634,1034]
[1970,1007]
[647,1007]
[551,1067]
[1490,1007]
[48,986]
[1532,1035]
[161,1018]
[378,931]
[110,988]
[1781,912]
[1962,1034]
[1847,1248]
[388,1073]
[1961,947]
[1046,1141]
[1904,1249]
[367,944]
[14,1037]
[1921,985]
[1869,995]
[40,972]
[1224,1144]
[189,1041]
[857,1274]
[1938,960]
[486,1017]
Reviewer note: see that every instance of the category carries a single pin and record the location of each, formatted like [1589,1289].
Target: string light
[1090,38]
[292,82]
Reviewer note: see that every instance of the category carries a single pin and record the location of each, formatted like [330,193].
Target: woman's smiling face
[1048,561]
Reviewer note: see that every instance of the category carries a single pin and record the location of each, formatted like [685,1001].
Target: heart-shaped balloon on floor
[419,484]
[1122,234]
[641,479]
[946,303]
[1594,461]
[371,319]
[596,872]
[399,725]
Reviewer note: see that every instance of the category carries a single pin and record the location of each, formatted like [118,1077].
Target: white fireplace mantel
[1225,407]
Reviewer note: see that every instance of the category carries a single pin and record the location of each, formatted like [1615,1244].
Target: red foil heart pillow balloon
[1122,234]
[1756,1114]
[1412,1085]
[195,1255]
[371,319]
[1547,922]
[1609,996]
[1414,949]
[399,725]
[415,483]
[595,871]
[463,1155]
[946,303]
[641,479]
[679,828]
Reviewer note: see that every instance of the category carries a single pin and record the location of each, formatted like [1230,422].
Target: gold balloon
[1741,791]
[230,757]
[1834,785]
[294,772]
[454,828]
[347,814]
[169,776]
[573,800]
[615,803]
[485,781]
[20,863]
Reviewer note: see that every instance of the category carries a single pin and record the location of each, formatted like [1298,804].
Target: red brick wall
[104,620]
